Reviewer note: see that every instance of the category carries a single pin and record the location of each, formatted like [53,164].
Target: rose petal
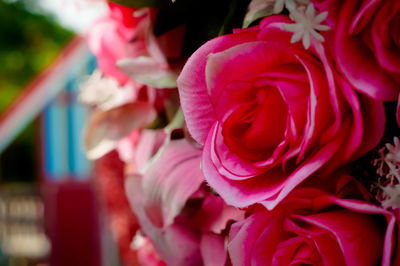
[198,111]
[362,70]
[353,232]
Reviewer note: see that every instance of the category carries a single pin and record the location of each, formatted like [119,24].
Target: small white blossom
[392,196]
[389,172]
[308,23]
[394,150]
[138,241]
[104,92]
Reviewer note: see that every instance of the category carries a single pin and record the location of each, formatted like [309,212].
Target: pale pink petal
[177,244]
[106,128]
[148,144]
[107,39]
[172,177]
[215,214]
[126,146]
[148,71]
[213,250]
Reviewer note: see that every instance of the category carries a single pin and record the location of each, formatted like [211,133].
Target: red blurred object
[72,222]
[124,14]
[109,174]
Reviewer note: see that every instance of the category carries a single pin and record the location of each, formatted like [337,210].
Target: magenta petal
[363,207]
[213,250]
[307,168]
[356,234]
[239,193]
[374,120]
[236,63]
[197,108]
[354,60]
[170,180]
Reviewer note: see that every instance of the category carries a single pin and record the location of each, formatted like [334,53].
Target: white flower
[389,172]
[392,196]
[394,151]
[104,92]
[308,23]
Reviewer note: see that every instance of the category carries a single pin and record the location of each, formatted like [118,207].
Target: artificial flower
[315,228]
[270,113]
[365,44]
[307,25]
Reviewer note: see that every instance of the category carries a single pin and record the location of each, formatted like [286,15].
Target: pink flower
[146,254]
[270,113]
[126,47]
[366,44]
[186,224]
[113,38]
[314,228]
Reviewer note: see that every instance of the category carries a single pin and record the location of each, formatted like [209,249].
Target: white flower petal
[317,36]
[306,40]
[278,7]
[290,5]
[322,27]
[310,11]
[293,27]
[321,17]
[296,37]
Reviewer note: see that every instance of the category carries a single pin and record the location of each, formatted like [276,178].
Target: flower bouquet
[258,132]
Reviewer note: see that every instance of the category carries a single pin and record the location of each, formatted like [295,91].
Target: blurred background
[49,210]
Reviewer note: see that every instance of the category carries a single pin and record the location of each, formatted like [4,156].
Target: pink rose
[313,228]
[366,44]
[270,113]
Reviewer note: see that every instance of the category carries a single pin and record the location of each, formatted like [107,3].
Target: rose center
[255,129]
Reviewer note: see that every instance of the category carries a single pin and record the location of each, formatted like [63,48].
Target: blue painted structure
[63,123]
[53,96]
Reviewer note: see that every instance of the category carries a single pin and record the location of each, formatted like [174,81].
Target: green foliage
[29,42]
